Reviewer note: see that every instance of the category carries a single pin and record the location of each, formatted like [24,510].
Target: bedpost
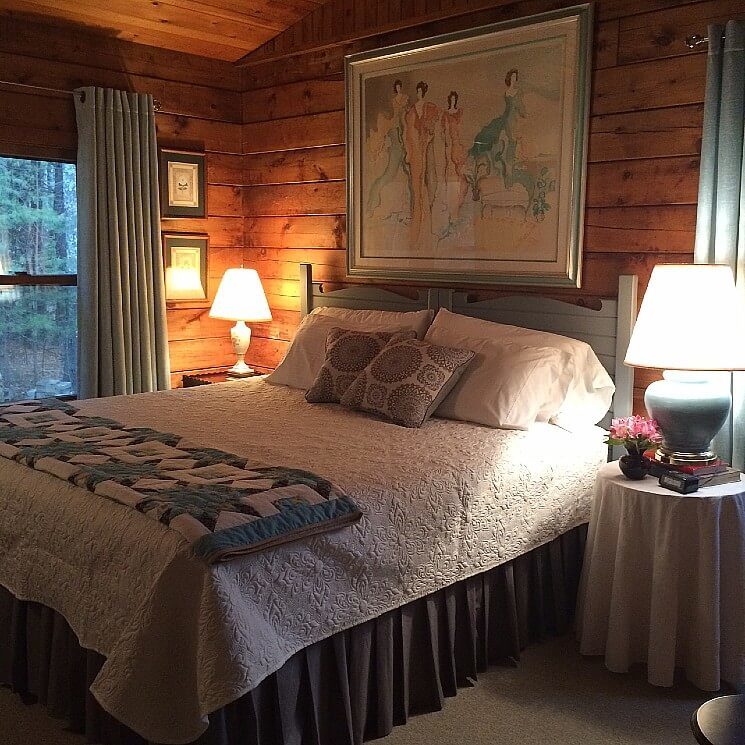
[623,402]
[306,289]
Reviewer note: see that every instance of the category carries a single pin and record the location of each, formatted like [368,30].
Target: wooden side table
[195,379]
[663,582]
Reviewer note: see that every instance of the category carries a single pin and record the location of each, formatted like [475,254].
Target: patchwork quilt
[223,504]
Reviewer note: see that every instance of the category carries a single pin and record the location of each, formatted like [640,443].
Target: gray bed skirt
[355,686]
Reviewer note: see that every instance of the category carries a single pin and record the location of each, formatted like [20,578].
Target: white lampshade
[240,297]
[692,318]
[183,284]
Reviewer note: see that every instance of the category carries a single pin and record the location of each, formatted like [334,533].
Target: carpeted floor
[554,697]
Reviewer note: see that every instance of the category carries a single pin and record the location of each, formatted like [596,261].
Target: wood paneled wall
[201,111]
[273,132]
[645,133]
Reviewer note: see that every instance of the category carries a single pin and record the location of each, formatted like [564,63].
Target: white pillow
[589,388]
[380,320]
[306,355]
[506,385]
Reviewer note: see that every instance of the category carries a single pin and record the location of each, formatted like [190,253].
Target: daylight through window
[38,265]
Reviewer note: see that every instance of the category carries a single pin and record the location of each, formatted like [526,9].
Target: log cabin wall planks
[273,133]
[645,136]
[204,97]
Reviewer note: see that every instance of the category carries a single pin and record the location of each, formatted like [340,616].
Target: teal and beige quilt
[223,504]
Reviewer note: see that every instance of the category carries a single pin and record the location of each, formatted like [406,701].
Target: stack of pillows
[406,367]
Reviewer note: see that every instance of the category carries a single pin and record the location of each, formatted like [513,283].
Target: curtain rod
[696,40]
[156,103]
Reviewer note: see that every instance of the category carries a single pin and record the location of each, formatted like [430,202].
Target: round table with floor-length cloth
[663,581]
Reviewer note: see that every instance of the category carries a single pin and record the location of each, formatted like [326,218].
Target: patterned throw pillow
[348,353]
[407,381]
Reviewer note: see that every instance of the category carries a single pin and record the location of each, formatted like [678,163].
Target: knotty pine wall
[645,134]
[200,99]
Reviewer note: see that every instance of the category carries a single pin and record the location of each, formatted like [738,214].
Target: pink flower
[636,432]
[619,428]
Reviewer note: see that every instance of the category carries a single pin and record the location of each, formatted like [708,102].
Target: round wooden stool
[720,721]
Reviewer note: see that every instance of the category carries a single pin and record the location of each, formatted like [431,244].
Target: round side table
[663,581]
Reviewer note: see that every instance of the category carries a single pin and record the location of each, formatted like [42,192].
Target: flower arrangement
[635,433]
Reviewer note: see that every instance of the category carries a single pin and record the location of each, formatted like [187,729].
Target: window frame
[24,279]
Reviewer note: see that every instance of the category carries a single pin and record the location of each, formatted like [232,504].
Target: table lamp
[691,323]
[240,298]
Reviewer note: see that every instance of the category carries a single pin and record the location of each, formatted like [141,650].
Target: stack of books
[713,474]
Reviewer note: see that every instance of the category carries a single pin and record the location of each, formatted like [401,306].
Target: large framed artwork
[466,154]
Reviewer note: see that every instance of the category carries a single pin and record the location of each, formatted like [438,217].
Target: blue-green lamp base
[690,408]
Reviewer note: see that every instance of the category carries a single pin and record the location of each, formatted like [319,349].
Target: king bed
[468,547]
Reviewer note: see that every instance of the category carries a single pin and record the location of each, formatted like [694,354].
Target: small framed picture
[182,184]
[185,262]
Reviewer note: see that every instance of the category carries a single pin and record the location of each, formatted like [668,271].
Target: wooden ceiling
[222,29]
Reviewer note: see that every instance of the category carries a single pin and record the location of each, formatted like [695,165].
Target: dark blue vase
[634,466]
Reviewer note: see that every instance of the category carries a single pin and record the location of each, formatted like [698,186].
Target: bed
[332,639]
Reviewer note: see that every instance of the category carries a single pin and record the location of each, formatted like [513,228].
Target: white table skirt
[664,581]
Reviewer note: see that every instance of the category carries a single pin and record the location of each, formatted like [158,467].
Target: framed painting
[182,184]
[466,154]
[185,263]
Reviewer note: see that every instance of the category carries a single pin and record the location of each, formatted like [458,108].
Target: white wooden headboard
[607,330]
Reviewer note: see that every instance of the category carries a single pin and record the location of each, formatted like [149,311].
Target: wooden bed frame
[607,330]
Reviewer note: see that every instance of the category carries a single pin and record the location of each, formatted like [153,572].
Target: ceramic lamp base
[241,371]
[240,335]
[690,408]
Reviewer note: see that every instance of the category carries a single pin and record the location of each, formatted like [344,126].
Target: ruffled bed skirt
[355,686]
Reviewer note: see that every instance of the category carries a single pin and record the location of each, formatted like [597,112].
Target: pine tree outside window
[38,278]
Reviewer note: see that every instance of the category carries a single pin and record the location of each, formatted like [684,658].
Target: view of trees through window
[38,256]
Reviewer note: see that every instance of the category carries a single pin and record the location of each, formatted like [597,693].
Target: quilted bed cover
[182,638]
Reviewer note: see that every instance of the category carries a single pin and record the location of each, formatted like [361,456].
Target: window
[38,265]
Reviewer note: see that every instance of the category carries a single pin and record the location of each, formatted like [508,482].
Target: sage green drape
[720,225]
[122,336]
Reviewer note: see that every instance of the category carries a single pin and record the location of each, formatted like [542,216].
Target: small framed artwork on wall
[182,184]
[185,262]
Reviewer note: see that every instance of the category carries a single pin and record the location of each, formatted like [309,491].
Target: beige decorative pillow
[407,381]
[348,353]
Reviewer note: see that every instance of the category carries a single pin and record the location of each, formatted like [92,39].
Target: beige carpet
[554,697]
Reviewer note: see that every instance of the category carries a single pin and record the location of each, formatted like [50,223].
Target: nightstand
[195,379]
[663,581]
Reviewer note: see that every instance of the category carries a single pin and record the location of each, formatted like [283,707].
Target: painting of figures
[466,156]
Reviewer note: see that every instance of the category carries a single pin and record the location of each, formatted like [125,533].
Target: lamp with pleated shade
[240,298]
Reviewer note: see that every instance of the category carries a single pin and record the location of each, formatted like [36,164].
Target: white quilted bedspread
[182,638]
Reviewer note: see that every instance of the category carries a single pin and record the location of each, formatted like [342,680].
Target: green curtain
[122,335]
[720,225]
